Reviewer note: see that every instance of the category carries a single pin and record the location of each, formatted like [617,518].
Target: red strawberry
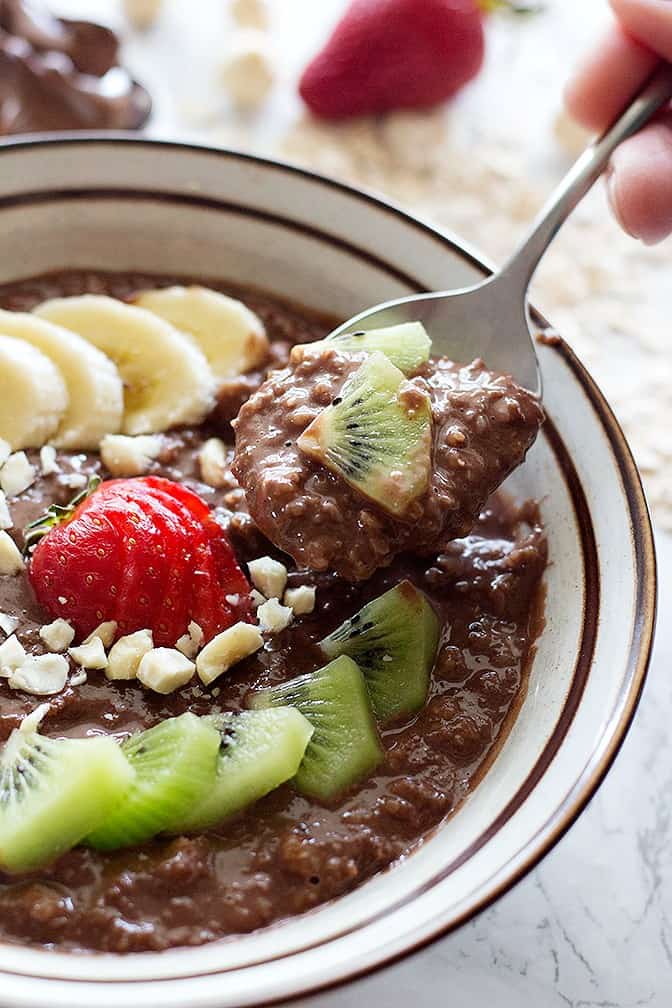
[392,54]
[145,552]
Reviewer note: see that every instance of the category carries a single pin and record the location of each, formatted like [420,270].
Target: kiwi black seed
[394,640]
[345,746]
[378,437]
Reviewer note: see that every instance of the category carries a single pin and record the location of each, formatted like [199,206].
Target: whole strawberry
[145,552]
[393,54]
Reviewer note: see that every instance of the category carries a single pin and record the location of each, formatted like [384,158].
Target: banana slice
[167,380]
[33,395]
[95,390]
[231,336]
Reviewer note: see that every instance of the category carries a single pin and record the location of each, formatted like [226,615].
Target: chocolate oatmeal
[291,850]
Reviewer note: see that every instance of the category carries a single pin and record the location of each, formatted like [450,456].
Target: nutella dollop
[57,74]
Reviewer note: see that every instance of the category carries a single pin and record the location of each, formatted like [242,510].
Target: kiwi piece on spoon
[394,640]
[376,435]
[406,345]
[53,792]
[259,750]
[345,746]
[175,766]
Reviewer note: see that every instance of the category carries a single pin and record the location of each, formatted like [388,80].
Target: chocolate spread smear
[57,74]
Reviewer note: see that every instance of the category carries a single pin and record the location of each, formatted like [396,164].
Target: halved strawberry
[145,552]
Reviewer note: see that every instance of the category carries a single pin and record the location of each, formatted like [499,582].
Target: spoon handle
[581,177]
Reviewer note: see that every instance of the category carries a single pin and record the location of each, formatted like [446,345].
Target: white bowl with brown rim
[128,204]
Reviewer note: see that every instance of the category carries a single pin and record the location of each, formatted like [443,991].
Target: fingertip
[640,183]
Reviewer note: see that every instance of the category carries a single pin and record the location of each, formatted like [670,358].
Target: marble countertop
[591,927]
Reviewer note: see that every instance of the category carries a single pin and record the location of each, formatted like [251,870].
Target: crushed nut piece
[164,670]
[126,655]
[227,648]
[301,600]
[107,631]
[90,655]
[41,675]
[6,521]
[12,654]
[48,460]
[79,678]
[142,13]
[274,617]
[130,456]
[269,576]
[17,474]
[212,462]
[11,561]
[58,635]
[8,624]
[248,72]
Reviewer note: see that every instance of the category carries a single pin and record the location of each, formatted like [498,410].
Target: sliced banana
[231,336]
[33,395]
[96,394]
[167,380]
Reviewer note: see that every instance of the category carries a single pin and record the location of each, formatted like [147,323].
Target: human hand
[639,179]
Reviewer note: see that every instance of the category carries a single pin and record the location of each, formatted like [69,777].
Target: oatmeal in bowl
[247,662]
[309,718]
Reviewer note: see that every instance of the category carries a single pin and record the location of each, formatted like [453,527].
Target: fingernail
[612,196]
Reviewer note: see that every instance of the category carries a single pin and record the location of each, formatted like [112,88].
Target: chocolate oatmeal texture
[287,854]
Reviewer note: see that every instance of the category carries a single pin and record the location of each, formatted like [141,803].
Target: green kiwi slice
[394,640]
[53,792]
[376,435]
[345,746]
[259,750]
[406,345]
[175,765]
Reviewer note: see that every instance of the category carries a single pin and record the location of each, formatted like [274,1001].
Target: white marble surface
[591,927]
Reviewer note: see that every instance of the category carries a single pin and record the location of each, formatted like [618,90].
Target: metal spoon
[491,320]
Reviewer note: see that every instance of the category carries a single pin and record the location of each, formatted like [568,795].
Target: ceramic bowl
[117,203]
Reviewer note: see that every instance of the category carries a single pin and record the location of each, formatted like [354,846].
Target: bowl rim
[641,643]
